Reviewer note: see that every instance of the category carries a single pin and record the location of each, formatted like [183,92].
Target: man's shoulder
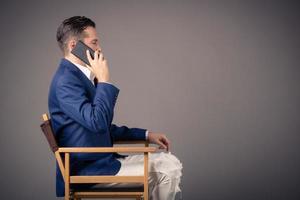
[64,78]
[66,73]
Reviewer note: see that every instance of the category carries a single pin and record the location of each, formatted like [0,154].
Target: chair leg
[67,176]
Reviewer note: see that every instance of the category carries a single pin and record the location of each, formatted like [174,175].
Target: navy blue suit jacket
[81,116]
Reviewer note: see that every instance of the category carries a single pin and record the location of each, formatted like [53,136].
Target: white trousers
[165,172]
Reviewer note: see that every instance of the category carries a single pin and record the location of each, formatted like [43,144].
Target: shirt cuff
[146,134]
[107,83]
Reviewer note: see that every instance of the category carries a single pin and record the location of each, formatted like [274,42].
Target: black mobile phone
[80,52]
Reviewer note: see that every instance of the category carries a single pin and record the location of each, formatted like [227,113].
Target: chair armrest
[131,142]
[106,149]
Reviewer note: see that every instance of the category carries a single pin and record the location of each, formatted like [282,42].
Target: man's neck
[81,66]
[74,59]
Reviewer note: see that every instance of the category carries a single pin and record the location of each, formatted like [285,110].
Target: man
[82,113]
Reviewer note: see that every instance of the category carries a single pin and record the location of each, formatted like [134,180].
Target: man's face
[91,39]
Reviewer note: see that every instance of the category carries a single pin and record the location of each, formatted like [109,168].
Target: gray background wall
[220,78]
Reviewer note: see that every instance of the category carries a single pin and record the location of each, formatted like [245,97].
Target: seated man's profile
[81,104]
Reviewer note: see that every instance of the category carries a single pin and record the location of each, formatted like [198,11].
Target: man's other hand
[160,139]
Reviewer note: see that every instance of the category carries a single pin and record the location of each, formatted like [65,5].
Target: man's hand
[98,66]
[159,139]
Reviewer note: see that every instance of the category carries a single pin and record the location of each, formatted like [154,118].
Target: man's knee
[159,178]
[167,164]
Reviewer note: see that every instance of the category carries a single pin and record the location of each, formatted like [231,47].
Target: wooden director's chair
[64,166]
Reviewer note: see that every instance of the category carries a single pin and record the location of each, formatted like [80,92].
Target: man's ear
[71,44]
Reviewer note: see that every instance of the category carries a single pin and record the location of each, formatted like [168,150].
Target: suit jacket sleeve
[94,115]
[125,133]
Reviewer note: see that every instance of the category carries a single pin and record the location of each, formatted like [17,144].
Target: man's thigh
[158,162]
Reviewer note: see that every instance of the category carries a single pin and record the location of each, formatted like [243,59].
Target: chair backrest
[48,132]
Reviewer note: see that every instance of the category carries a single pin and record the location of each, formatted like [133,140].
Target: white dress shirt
[86,72]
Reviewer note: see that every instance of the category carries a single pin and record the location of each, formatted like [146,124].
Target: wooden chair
[64,167]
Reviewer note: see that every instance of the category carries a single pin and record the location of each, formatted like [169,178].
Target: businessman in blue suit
[81,104]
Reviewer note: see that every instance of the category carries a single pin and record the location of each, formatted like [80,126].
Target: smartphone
[80,52]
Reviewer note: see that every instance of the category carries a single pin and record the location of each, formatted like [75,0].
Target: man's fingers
[88,55]
[162,145]
[160,139]
[165,141]
[101,57]
[96,55]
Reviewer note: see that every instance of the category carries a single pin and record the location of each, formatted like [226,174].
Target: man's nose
[99,49]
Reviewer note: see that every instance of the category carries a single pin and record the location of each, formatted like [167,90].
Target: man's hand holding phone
[98,66]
